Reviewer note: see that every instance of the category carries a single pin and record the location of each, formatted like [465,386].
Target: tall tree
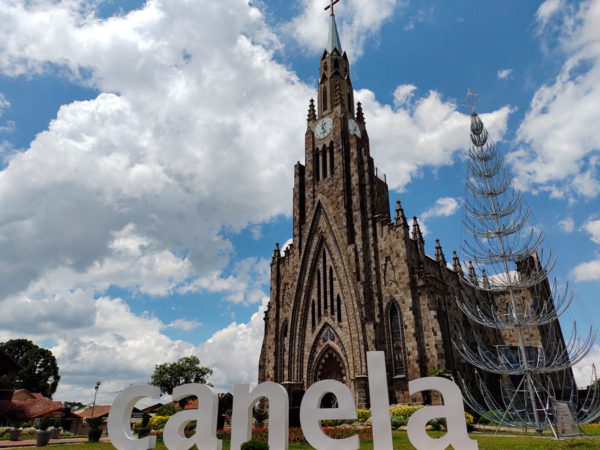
[185,370]
[40,370]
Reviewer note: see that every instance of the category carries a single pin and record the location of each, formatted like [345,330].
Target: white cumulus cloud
[567,225]
[558,138]
[504,74]
[590,270]
[357,22]
[443,207]
[428,132]
[583,370]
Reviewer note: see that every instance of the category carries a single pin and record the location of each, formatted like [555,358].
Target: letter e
[311,413]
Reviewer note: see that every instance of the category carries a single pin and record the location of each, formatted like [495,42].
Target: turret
[456,264]
[312,114]
[439,253]
[400,218]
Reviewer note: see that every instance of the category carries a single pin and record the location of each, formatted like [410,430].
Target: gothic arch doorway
[329,366]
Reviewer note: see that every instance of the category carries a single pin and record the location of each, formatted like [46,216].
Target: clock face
[323,128]
[353,127]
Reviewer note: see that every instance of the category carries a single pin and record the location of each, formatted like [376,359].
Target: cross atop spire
[331,3]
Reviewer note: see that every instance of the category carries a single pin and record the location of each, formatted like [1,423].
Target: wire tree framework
[515,298]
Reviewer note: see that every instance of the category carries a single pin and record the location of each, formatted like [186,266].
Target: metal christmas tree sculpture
[516,300]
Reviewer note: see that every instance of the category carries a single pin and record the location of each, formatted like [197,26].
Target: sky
[147,152]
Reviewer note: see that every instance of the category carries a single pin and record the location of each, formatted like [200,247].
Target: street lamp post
[98,383]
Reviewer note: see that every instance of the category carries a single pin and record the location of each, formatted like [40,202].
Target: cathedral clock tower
[353,280]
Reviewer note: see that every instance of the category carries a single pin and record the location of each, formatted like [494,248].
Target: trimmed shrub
[255,445]
[260,415]
[398,421]
[437,424]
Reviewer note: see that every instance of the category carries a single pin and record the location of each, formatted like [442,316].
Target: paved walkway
[32,442]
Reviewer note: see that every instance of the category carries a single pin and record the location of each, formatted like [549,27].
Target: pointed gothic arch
[328,357]
[321,234]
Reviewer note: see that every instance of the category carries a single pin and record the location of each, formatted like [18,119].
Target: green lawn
[401,442]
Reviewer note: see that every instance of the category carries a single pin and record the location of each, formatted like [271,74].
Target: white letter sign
[380,404]
[205,417]
[241,424]
[452,410]
[311,413]
[119,418]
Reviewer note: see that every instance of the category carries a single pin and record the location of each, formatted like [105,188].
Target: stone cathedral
[355,279]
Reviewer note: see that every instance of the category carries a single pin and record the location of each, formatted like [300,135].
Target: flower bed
[297,437]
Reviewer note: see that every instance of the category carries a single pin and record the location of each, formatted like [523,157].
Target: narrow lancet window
[324,162]
[284,333]
[312,315]
[319,295]
[331,288]
[339,309]
[397,340]
[317,168]
[324,98]
[331,166]
[324,280]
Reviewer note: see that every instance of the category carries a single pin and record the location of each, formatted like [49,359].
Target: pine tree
[515,297]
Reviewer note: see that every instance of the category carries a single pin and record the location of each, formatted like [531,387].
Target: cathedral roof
[333,41]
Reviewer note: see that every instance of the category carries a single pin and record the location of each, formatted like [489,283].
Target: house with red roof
[37,405]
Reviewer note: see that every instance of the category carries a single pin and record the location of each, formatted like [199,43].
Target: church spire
[333,41]
[335,88]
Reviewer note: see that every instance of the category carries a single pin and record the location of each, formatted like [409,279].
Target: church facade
[356,279]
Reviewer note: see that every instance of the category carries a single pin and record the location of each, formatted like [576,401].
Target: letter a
[452,410]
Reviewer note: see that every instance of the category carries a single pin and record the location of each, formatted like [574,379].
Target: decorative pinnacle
[312,114]
[456,264]
[400,218]
[485,279]
[417,235]
[276,252]
[471,100]
[439,253]
[472,274]
[359,113]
